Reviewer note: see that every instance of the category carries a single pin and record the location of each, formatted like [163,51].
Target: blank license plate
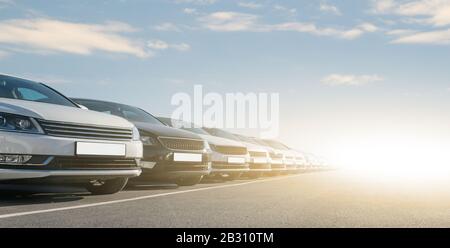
[234,160]
[187,157]
[100,149]
[259,160]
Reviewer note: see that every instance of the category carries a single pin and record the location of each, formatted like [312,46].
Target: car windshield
[220,133]
[276,144]
[130,113]
[21,89]
[246,139]
[259,142]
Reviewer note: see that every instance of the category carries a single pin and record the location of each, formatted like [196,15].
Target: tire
[234,175]
[274,173]
[188,181]
[255,175]
[107,187]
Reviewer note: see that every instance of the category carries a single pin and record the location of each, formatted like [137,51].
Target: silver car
[259,155]
[228,158]
[44,136]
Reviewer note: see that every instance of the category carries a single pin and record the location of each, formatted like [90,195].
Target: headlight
[206,145]
[148,141]
[136,135]
[212,147]
[19,123]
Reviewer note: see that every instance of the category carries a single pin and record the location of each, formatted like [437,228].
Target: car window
[131,115]
[276,144]
[32,95]
[21,89]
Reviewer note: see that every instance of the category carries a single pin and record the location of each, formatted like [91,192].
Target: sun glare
[400,158]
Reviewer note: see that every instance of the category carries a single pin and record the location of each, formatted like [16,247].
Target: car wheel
[234,176]
[255,175]
[106,187]
[188,181]
[274,173]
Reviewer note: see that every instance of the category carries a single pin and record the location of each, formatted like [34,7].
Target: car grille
[75,130]
[276,156]
[182,144]
[231,150]
[91,163]
[257,154]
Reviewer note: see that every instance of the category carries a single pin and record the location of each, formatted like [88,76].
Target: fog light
[14,159]
[147,165]
[2,121]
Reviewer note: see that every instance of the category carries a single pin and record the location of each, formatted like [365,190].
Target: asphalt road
[322,199]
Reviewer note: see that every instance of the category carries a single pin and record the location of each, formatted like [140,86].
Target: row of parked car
[48,137]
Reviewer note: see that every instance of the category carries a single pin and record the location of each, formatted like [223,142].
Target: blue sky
[344,69]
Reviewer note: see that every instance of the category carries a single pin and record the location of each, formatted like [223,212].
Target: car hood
[298,154]
[54,112]
[280,151]
[254,147]
[165,131]
[218,141]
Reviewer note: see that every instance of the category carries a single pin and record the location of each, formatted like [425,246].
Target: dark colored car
[169,154]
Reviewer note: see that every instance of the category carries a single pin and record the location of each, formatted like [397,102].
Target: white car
[44,136]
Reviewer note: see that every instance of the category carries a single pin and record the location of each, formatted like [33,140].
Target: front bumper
[221,163]
[291,167]
[15,174]
[218,168]
[257,167]
[278,165]
[57,158]
[158,162]
[39,144]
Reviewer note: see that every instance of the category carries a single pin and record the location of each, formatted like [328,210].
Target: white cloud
[5,3]
[230,21]
[286,10]
[382,6]
[236,21]
[182,47]
[190,11]
[350,80]
[162,45]
[158,45]
[359,31]
[400,32]
[167,26]
[441,37]
[69,37]
[3,54]
[250,5]
[328,8]
[197,2]
[434,12]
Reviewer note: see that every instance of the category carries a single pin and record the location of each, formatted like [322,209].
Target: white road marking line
[4,216]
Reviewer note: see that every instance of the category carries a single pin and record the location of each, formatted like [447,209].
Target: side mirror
[82,107]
